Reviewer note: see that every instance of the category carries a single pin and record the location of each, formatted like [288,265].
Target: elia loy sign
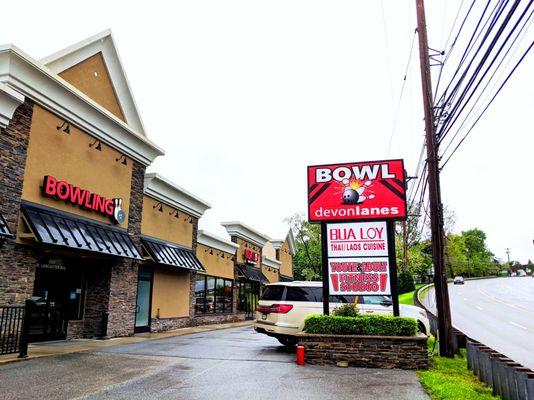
[356,191]
[84,198]
[359,239]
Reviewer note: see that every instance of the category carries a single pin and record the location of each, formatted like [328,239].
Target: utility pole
[508,251]
[404,247]
[434,193]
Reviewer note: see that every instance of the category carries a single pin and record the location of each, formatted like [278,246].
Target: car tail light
[275,309]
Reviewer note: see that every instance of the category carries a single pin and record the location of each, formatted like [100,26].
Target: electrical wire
[491,101]
[401,92]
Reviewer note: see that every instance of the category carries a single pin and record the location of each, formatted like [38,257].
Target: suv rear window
[273,293]
[304,293]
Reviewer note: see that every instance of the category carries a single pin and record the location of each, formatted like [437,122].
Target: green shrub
[405,282]
[346,310]
[372,325]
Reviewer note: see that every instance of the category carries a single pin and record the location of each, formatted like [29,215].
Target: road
[497,312]
[232,363]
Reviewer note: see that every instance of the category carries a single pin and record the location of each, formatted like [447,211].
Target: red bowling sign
[373,190]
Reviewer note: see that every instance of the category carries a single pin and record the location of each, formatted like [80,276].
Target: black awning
[252,273]
[4,229]
[284,278]
[72,231]
[167,253]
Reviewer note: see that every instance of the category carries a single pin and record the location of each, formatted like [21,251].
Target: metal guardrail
[508,379]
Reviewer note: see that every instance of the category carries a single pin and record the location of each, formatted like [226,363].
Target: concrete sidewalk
[44,349]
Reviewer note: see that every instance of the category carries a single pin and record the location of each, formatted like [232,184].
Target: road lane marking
[519,326]
[504,302]
[479,308]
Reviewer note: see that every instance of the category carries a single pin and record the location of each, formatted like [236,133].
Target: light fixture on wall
[158,206]
[175,213]
[65,127]
[96,144]
[123,158]
[211,252]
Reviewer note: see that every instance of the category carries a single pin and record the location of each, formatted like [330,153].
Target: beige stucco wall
[170,293]
[286,259]
[269,251]
[214,263]
[69,157]
[164,226]
[92,78]
[241,251]
[270,273]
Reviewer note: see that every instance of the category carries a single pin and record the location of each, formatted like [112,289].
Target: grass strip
[449,379]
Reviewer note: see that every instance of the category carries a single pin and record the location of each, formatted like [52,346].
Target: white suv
[284,306]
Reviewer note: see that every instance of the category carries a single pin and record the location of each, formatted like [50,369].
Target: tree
[307,260]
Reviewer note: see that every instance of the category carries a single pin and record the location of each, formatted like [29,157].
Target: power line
[520,35]
[401,92]
[491,101]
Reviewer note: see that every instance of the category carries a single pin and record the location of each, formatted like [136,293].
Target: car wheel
[287,341]
[421,328]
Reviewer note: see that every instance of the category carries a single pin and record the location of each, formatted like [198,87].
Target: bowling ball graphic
[350,196]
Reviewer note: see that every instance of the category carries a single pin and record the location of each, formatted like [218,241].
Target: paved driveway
[225,364]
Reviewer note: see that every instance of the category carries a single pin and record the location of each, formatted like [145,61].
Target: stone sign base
[366,351]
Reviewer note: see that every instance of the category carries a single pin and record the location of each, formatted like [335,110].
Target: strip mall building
[100,246]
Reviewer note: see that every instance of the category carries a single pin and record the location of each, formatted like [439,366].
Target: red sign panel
[357,191]
[251,256]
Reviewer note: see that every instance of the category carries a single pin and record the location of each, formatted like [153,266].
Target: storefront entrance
[143,302]
[58,295]
[248,297]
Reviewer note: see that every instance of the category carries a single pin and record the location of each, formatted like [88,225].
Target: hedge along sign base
[356,204]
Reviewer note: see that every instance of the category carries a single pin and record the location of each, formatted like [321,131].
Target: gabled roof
[100,43]
[277,243]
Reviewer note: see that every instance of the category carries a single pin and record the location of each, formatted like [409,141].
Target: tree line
[467,253]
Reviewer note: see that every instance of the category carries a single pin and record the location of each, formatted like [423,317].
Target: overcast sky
[243,95]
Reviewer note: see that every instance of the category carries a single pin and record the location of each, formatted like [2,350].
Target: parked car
[458,280]
[521,272]
[284,306]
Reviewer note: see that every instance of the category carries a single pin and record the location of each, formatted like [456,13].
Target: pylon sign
[357,191]
[356,204]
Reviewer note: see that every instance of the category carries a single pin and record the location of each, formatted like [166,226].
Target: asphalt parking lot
[232,363]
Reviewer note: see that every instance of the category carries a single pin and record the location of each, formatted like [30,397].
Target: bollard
[300,355]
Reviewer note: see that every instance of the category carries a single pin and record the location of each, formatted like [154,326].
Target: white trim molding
[269,262]
[9,101]
[100,43]
[216,242]
[277,243]
[245,232]
[167,192]
[33,80]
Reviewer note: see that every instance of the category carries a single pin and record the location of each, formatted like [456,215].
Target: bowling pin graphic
[118,214]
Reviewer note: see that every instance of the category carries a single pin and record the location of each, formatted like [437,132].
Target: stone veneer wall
[123,282]
[17,263]
[366,351]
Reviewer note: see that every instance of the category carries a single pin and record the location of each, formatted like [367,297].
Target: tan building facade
[90,239]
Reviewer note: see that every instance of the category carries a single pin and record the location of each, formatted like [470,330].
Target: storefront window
[213,295]
[200,294]
[249,293]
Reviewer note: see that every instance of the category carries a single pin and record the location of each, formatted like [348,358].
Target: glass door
[144,295]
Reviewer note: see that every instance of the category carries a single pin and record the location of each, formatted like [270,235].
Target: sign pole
[393,268]
[324,257]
